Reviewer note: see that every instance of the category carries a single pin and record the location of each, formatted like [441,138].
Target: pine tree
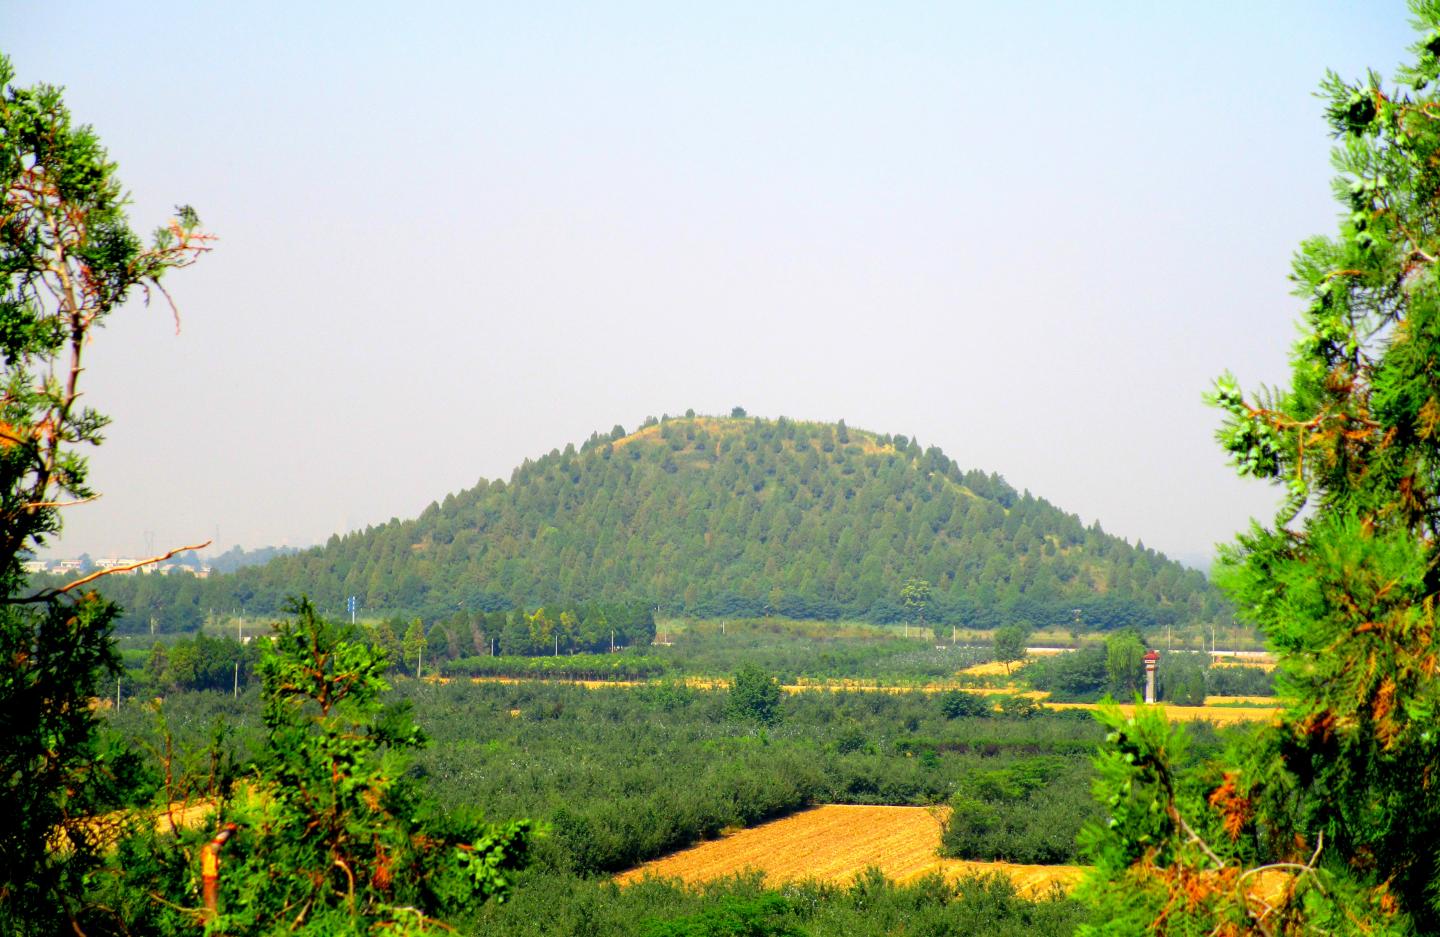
[329,836]
[68,258]
[1326,822]
[414,644]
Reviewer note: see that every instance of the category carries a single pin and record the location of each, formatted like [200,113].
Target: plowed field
[836,842]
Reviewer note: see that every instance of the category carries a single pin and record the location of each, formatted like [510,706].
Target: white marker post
[1152,658]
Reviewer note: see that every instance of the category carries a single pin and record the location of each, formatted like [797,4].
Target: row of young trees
[205,662]
[591,627]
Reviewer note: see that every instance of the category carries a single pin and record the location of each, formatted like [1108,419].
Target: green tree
[1180,678]
[915,594]
[1125,663]
[414,643]
[1336,800]
[1010,644]
[754,696]
[157,664]
[385,639]
[68,258]
[958,703]
[329,835]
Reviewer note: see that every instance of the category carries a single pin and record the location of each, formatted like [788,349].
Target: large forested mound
[733,517]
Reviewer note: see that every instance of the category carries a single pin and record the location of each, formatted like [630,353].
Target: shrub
[957,703]
[754,696]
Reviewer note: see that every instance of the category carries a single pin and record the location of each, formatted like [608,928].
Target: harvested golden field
[994,668]
[857,686]
[1010,689]
[1266,701]
[1220,715]
[178,814]
[836,842]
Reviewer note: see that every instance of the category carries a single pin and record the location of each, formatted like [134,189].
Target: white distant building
[117,563]
[34,566]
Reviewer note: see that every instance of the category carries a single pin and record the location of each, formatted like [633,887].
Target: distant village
[116,566]
[188,562]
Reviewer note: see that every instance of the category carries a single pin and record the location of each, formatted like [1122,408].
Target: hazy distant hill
[238,558]
[736,516]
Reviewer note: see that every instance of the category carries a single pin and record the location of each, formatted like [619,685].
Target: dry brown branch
[1302,869]
[37,505]
[174,309]
[46,595]
[1195,838]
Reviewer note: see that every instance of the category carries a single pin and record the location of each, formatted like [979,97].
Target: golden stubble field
[1219,715]
[836,842]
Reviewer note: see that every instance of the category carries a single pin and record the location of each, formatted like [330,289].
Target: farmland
[1222,715]
[923,771]
[835,843]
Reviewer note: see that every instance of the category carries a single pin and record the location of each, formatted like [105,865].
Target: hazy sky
[458,235]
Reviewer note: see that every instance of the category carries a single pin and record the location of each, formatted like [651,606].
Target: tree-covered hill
[732,516]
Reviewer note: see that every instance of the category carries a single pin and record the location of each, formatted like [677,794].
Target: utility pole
[241,642]
[420,662]
[612,640]
[117,694]
[557,644]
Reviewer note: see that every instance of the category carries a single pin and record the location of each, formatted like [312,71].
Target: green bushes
[794,652]
[625,774]
[1082,675]
[549,904]
[957,703]
[1028,810]
[754,696]
[1239,681]
[1180,678]
[569,667]
[768,915]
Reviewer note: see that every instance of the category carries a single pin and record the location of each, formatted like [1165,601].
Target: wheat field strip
[836,842]
[1220,715]
[1231,709]
[992,668]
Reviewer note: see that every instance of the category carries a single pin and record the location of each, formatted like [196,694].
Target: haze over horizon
[459,239]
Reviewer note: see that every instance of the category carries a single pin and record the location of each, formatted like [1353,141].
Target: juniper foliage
[68,259]
[1325,822]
